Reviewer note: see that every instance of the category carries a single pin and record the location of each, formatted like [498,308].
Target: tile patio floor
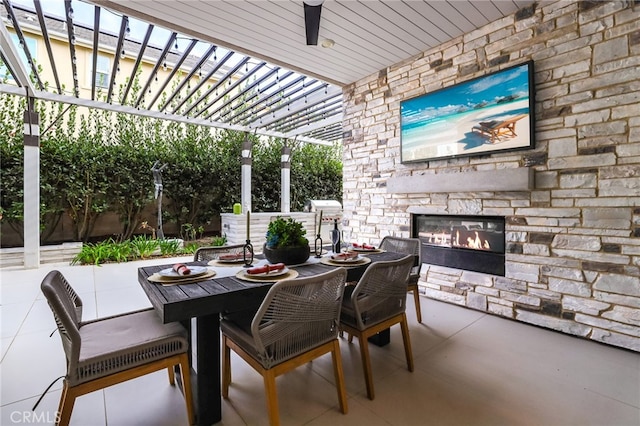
[471,369]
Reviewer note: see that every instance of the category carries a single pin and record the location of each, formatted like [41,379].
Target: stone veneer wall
[573,261]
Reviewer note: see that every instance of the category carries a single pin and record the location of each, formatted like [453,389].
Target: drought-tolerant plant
[190,248]
[169,246]
[102,252]
[143,246]
[219,241]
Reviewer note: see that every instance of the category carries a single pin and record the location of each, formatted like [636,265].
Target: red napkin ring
[181,269]
[344,256]
[265,268]
[364,246]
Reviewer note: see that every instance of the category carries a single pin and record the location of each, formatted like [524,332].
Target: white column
[285,180]
[246,176]
[31,187]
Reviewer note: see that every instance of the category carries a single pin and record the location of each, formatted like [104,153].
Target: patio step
[61,253]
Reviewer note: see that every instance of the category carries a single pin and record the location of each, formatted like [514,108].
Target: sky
[451,100]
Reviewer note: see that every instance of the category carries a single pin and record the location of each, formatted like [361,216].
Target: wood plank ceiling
[295,89]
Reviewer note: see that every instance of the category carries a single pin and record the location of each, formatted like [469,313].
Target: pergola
[208,85]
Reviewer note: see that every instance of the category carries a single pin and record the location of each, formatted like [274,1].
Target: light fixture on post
[245,161]
[285,179]
[246,173]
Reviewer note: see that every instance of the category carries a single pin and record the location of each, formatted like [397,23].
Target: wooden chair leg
[172,375]
[416,299]
[272,397]
[65,408]
[226,367]
[185,372]
[339,376]
[366,365]
[407,342]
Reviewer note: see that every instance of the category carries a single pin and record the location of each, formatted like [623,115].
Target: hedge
[96,161]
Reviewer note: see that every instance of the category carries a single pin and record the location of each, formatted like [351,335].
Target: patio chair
[408,246]
[376,303]
[296,323]
[497,128]
[207,254]
[107,351]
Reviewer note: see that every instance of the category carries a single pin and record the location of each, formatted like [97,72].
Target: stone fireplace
[571,205]
[471,243]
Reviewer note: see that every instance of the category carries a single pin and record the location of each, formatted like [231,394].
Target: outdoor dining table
[205,301]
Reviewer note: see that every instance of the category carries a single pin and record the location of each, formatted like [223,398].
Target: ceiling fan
[312,11]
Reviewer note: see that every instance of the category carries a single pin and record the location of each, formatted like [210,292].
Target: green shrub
[143,246]
[169,247]
[219,241]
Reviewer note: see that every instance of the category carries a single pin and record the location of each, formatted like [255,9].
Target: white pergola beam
[54,97]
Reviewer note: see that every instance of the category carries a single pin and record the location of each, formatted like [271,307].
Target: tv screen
[488,114]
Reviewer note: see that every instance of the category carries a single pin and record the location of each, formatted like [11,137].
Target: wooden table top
[221,294]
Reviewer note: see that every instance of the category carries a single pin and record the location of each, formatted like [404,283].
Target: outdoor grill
[331,210]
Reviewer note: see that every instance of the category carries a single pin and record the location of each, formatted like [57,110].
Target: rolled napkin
[344,256]
[231,256]
[266,268]
[181,269]
[364,246]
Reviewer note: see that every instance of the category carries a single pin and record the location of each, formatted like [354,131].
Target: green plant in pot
[286,242]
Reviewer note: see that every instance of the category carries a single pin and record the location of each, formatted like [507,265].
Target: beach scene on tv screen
[479,116]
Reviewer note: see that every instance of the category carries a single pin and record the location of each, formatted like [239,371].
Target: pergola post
[246,175]
[285,180]
[31,185]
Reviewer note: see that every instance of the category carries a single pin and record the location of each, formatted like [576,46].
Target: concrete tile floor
[471,369]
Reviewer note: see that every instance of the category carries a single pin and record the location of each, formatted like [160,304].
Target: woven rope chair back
[205,254]
[66,306]
[405,246]
[298,315]
[381,292]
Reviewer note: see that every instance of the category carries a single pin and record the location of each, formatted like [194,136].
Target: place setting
[228,260]
[364,248]
[268,273]
[345,259]
[182,274]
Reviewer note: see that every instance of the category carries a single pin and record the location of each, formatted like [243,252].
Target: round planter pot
[287,255]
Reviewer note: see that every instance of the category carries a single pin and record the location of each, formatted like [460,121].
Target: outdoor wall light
[285,158]
[328,43]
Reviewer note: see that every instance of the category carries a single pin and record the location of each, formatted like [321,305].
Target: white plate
[364,250]
[349,260]
[195,271]
[269,274]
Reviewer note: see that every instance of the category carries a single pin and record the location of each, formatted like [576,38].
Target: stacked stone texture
[573,242]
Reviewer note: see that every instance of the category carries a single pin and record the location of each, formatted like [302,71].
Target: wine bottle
[335,237]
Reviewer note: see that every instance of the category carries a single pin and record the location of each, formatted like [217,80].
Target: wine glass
[346,240]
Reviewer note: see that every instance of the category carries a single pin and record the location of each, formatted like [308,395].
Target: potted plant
[286,242]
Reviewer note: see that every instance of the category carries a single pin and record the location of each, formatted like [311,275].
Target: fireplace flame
[477,243]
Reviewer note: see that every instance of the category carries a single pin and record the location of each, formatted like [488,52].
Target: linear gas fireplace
[472,243]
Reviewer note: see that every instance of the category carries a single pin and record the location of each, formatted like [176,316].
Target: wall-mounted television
[492,113]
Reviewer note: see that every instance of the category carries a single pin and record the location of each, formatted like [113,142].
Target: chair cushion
[239,331]
[118,343]
[348,314]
